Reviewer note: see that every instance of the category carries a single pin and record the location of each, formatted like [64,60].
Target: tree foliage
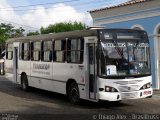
[33,33]
[62,27]
[8,31]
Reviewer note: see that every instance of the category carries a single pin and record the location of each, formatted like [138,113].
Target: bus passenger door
[92,71]
[15,63]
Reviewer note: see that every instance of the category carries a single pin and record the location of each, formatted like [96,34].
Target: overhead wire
[84,3]
[19,24]
[80,4]
[39,4]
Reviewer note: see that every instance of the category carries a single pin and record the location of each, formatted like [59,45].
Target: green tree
[17,32]
[62,27]
[33,33]
[8,31]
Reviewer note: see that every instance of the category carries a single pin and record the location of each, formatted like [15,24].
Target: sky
[33,14]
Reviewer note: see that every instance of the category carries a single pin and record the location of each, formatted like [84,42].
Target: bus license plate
[146,92]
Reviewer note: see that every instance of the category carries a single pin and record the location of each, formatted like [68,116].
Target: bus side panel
[41,72]
[55,86]
[23,67]
[47,84]
[62,72]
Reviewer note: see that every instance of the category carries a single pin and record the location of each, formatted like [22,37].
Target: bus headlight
[110,89]
[146,86]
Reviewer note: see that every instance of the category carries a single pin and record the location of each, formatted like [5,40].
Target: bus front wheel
[73,93]
[24,83]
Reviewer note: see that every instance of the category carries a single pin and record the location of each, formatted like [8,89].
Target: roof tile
[130,2]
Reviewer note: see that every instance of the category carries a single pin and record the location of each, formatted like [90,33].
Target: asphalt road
[36,104]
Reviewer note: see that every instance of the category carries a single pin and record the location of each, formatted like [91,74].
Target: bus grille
[128,82]
[129,95]
[128,88]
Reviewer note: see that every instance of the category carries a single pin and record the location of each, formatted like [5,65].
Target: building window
[46,54]
[9,52]
[35,51]
[59,51]
[75,50]
[24,51]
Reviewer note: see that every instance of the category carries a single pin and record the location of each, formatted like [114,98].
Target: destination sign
[115,45]
[138,45]
[124,45]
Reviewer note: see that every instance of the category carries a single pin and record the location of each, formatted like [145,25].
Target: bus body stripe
[52,79]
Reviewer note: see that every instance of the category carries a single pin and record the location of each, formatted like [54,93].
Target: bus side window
[75,50]
[9,52]
[59,52]
[26,51]
[68,51]
[22,54]
[20,51]
[31,50]
[46,54]
[35,51]
[53,53]
[42,51]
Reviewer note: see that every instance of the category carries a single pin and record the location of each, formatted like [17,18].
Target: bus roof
[64,35]
[57,36]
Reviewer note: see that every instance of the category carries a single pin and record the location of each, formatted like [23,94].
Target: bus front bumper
[117,96]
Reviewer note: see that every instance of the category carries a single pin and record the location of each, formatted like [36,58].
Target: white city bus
[95,64]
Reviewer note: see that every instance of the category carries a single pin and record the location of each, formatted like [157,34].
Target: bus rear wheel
[73,93]
[24,83]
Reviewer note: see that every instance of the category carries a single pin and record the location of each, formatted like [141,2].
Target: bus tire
[73,93]
[24,83]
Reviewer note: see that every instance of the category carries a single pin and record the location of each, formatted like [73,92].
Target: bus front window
[124,58]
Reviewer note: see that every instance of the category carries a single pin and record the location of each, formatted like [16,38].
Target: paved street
[39,104]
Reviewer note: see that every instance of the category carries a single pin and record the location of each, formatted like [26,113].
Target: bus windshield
[124,55]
